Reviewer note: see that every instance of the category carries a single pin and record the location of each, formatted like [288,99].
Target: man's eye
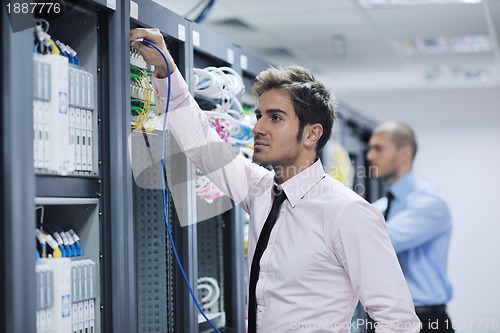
[258,116]
[275,118]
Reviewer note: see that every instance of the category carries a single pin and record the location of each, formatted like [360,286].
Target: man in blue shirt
[418,222]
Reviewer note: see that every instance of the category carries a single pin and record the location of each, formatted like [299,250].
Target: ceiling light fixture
[373,4]
[458,74]
[445,45]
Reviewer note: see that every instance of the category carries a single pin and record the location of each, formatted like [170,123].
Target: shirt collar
[297,186]
[403,186]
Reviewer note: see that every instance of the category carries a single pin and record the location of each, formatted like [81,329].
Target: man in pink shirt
[321,248]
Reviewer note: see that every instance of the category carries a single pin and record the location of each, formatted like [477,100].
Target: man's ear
[312,134]
[406,153]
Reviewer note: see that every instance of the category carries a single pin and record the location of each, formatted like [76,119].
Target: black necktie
[389,200]
[259,250]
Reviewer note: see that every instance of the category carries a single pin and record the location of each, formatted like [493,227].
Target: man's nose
[258,129]
[369,155]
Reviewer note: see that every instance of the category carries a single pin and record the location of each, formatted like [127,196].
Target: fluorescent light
[369,4]
[458,74]
[444,45]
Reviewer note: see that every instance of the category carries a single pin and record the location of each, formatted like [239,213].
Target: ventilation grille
[278,55]
[234,24]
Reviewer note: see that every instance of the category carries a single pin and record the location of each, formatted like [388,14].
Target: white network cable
[213,291]
[221,85]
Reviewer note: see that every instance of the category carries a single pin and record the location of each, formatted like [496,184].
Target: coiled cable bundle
[221,85]
[217,89]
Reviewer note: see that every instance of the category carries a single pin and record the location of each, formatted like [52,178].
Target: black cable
[203,15]
[195,7]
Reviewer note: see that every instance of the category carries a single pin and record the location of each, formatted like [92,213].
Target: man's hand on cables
[150,55]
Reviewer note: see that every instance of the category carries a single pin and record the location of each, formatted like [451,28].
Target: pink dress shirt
[328,249]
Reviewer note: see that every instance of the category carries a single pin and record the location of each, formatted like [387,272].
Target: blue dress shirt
[419,226]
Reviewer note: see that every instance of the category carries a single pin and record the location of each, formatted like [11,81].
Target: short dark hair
[401,134]
[312,102]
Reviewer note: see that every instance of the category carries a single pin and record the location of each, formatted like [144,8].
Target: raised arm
[217,159]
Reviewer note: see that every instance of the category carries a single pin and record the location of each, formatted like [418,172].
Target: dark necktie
[389,200]
[259,250]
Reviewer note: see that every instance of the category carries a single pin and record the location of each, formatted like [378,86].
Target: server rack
[85,201]
[193,46]
[163,299]
[121,315]
[217,250]
[18,182]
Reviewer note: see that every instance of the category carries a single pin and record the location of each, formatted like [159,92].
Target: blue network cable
[164,191]
[54,229]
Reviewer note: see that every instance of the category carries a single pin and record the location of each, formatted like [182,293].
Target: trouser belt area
[431,309]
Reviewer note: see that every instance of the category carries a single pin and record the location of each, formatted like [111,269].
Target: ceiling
[356,51]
